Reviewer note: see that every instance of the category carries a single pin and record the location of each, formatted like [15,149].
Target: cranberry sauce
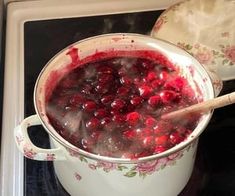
[112,107]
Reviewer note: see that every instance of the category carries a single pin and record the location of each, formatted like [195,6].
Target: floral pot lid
[206,29]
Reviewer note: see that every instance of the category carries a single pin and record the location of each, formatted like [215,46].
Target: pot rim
[178,147]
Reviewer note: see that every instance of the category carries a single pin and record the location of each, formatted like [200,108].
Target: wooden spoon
[202,107]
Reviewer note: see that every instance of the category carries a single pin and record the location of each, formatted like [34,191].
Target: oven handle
[31,151]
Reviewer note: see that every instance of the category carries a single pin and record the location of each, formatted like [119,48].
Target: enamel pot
[86,174]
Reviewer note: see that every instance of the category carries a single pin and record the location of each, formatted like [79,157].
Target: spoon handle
[203,107]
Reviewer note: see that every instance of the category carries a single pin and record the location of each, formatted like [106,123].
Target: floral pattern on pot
[77,176]
[141,169]
[207,56]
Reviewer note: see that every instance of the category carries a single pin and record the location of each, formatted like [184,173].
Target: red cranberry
[151,76]
[145,91]
[161,140]
[150,122]
[89,106]
[102,88]
[95,135]
[92,124]
[123,91]
[125,80]
[167,96]
[105,121]
[154,100]
[118,119]
[176,84]
[133,118]
[136,100]
[100,113]
[164,76]
[129,134]
[106,100]
[175,138]
[159,149]
[118,104]
[156,83]
[147,141]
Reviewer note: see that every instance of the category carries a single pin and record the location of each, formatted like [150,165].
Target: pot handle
[28,148]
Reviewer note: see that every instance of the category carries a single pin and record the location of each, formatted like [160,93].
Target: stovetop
[214,171]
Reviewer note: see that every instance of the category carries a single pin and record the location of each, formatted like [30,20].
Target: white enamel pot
[86,174]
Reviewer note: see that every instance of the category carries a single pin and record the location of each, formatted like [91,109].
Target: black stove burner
[214,170]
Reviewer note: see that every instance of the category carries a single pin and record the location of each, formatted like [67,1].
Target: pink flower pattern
[107,166]
[204,56]
[229,52]
[77,176]
[50,157]
[28,152]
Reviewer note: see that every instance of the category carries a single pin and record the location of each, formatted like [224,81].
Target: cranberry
[107,99]
[93,123]
[118,119]
[129,134]
[161,140]
[176,85]
[150,122]
[118,104]
[147,141]
[89,106]
[133,118]
[164,76]
[136,100]
[175,138]
[102,88]
[167,96]
[159,149]
[105,121]
[154,100]
[156,83]
[151,76]
[123,91]
[145,91]
[125,80]
[100,113]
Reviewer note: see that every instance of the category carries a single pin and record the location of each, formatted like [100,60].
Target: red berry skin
[129,134]
[101,113]
[163,76]
[154,101]
[175,138]
[145,91]
[159,149]
[106,100]
[136,101]
[118,104]
[176,85]
[147,142]
[92,124]
[89,106]
[167,96]
[133,118]
[150,122]
[161,140]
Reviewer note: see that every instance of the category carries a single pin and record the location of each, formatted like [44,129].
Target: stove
[35,32]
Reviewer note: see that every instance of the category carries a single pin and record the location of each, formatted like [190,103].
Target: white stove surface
[12,170]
